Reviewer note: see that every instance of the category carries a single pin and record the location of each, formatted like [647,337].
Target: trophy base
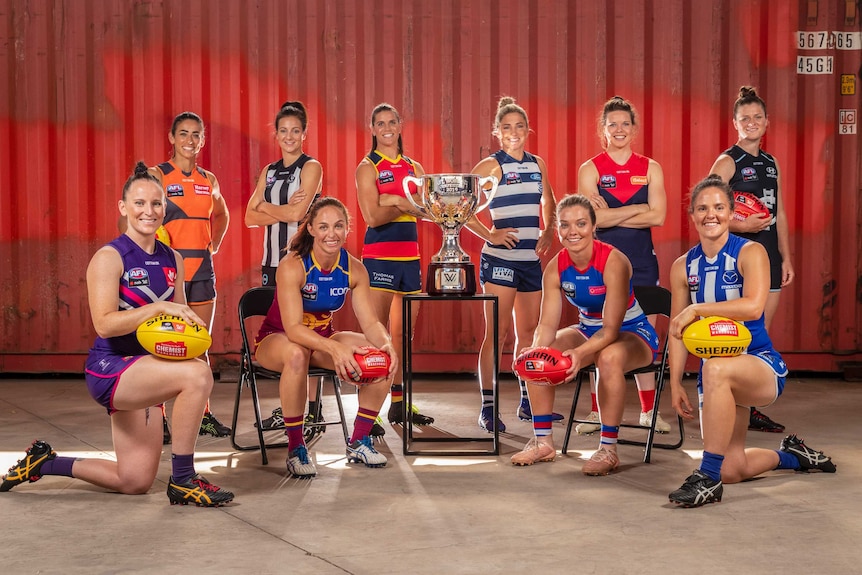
[454,278]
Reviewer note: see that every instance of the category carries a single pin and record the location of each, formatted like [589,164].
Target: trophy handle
[482,181]
[419,184]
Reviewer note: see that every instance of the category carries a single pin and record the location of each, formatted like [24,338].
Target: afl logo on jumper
[693,283]
[608,181]
[174,190]
[138,277]
[513,178]
[386,177]
[309,291]
[270,179]
[568,289]
[748,175]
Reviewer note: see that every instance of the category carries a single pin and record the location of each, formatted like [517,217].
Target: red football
[543,366]
[746,204]
[373,365]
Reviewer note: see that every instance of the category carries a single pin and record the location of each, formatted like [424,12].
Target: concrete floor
[432,515]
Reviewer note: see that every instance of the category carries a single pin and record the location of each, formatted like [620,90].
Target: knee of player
[135,484]
[295,358]
[714,374]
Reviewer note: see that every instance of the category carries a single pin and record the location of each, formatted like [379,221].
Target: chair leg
[571,422]
[336,387]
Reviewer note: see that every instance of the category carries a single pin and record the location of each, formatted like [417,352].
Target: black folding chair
[256,302]
[654,300]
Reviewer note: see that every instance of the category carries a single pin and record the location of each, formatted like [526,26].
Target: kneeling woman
[728,276]
[312,283]
[613,333]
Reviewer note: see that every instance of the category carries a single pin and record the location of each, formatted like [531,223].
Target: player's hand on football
[576,358]
[345,364]
[389,350]
[183,311]
[679,323]
[504,237]
[753,224]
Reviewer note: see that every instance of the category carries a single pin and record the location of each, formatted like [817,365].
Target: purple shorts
[102,372]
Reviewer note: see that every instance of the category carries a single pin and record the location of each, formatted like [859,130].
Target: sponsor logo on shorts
[309,291]
[638,180]
[174,190]
[513,178]
[503,274]
[382,278]
[608,181]
[386,177]
[138,277]
[748,174]
[693,283]
[201,190]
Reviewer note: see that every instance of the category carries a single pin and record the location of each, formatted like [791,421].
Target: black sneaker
[274,421]
[377,429]
[166,432]
[396,415]
[485,420]
[27,469]
[211,425]
[758,421]
[310,430]
[697,490]
[808,458]
[199,491]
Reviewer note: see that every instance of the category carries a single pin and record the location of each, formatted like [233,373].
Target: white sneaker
[362,451]
[299,464]
[588,428]
[661,425]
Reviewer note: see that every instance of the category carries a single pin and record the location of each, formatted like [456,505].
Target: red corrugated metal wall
[90,87]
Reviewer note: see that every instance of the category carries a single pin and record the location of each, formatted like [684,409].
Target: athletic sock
[63,466]
[711,465]
[487,398]
[524,395]
[293,431]
[595,405]
[785,460]
[362,424]
[609,435]
[182,467]
[397,393]
[647,398]
[542,424]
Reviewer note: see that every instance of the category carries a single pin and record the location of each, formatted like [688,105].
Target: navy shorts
[397,276]
[200,292]
[523,276]
[102,373]
[267,275]
[775,362]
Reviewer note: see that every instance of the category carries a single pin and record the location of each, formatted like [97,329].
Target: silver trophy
[451,200]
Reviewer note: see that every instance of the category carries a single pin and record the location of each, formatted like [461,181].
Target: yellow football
[715,336]
[171,337]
